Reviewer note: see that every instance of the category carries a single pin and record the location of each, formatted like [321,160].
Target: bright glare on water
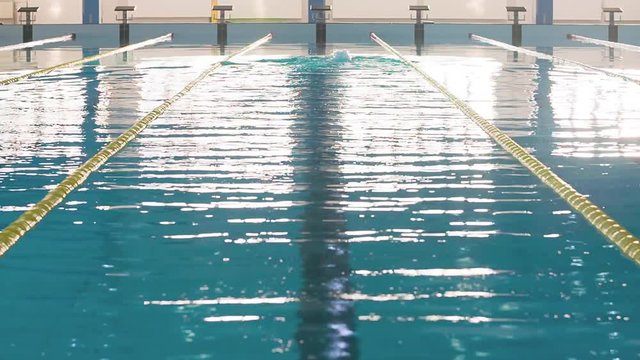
[306,207]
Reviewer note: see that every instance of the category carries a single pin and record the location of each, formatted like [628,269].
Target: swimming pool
[295,206]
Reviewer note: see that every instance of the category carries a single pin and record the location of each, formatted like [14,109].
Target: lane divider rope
[29,219]
[592,41]
[611,229]
[552,58]
[154,41]
[38,43]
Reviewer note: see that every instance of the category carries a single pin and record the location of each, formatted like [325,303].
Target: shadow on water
[89,74]
[318,49]
[327,321]
[542,97]
[28,54]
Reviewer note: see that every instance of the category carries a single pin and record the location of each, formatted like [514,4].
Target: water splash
[341,56]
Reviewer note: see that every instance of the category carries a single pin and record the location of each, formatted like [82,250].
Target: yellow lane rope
[551,58]
[610,228]
[38,43]
[588,40]
[29,219]
[154,41]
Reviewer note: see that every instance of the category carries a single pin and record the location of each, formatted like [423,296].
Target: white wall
[6,10]
[591,10]
[280,9]
[57,11]
[479,9]
[172,8]
[107,15]
[200,10]
[70,11]
[476,10]
[632,10]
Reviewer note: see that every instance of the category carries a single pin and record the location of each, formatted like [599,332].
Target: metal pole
[613,28]
[321,33]
[124,30]
[124,26]
[222,34]
[419,34]
[419,29]
[222,29]
[27,29]
[319,14]
[124,35]
[516,35]
[516,30]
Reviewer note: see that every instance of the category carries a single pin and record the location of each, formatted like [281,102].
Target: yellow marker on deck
[610,228]
[214,14]
[29,219]
[167,37]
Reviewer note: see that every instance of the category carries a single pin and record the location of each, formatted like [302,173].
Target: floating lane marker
[161,39]
[592,41]
[29,219]
[38,43]
[610,228]
[551,58]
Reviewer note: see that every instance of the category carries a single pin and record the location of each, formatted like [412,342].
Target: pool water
[310,207]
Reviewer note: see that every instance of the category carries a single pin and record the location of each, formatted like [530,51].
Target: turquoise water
[301,207]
